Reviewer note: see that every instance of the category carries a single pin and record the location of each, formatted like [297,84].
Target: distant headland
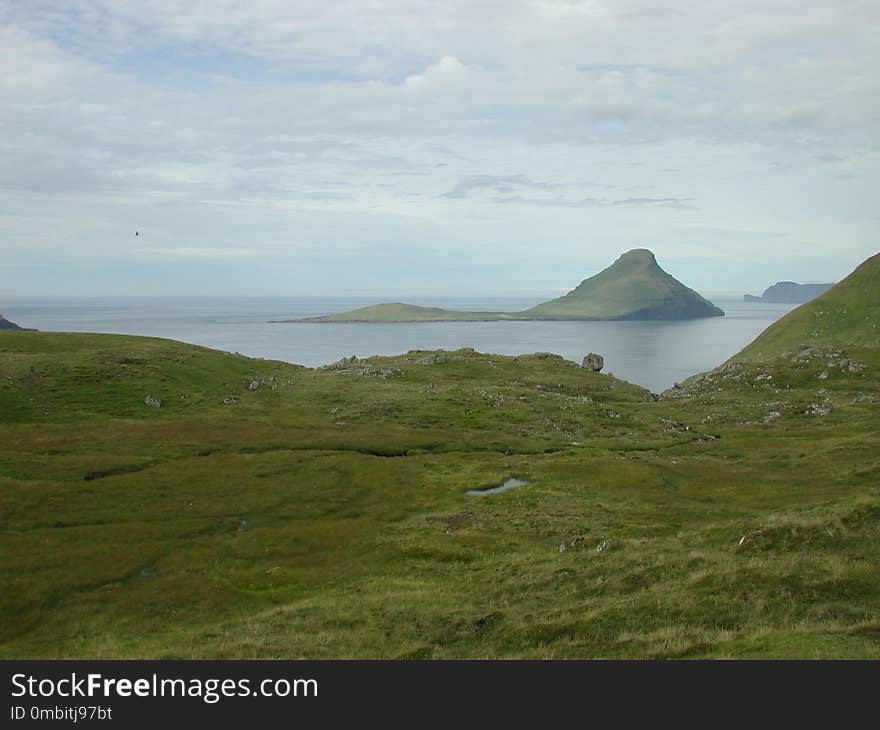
[5,324]
[633,288]
[789,292]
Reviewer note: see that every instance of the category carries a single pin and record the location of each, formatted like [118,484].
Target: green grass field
[267,510]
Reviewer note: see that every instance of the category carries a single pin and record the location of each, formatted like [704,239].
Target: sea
[652,354]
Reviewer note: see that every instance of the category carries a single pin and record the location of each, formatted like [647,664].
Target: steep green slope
[633,287]
[847,315]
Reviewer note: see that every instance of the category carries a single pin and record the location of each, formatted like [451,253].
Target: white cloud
[423,127]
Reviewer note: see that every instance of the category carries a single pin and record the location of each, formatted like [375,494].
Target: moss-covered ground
[268,510]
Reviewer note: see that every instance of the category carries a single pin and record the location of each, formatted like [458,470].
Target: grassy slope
[846,315]
[324,514]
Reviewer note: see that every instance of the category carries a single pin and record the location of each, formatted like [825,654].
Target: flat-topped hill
[633,288]
[789,292]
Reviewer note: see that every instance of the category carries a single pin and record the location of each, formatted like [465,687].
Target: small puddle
[509,484]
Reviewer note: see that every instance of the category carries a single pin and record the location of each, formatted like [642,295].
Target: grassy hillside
[267,510]
[634,287]
[846,315]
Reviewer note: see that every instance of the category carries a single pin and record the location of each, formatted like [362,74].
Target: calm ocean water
[652,354]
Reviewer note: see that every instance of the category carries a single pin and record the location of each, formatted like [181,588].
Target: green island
[161,500]
[633,288]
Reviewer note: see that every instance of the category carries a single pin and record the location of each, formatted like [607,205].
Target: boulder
[594,362]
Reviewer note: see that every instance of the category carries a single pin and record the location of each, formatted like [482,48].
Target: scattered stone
[341,363]
[674,425]
[383,373]
[864,398]
[255,384]
[750,537]
[823,375]
[452,523]
[603,546]
[152,402]
[771,416]
[432,360]
[229,401]
[853,367]
[815,409]
[593,362]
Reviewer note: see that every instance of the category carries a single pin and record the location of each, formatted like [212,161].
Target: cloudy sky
[292,146]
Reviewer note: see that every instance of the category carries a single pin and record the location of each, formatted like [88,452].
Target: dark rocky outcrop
[5,324]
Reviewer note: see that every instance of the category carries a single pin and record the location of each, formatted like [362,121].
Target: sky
[293,148]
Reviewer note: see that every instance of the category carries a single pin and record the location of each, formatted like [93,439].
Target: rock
[341,363]
[255,384]
[818,410]
[152,402]
[383,373]
[853,367]
[750,537]
[432,360]
[230,401]
[593,362]
[603,546]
